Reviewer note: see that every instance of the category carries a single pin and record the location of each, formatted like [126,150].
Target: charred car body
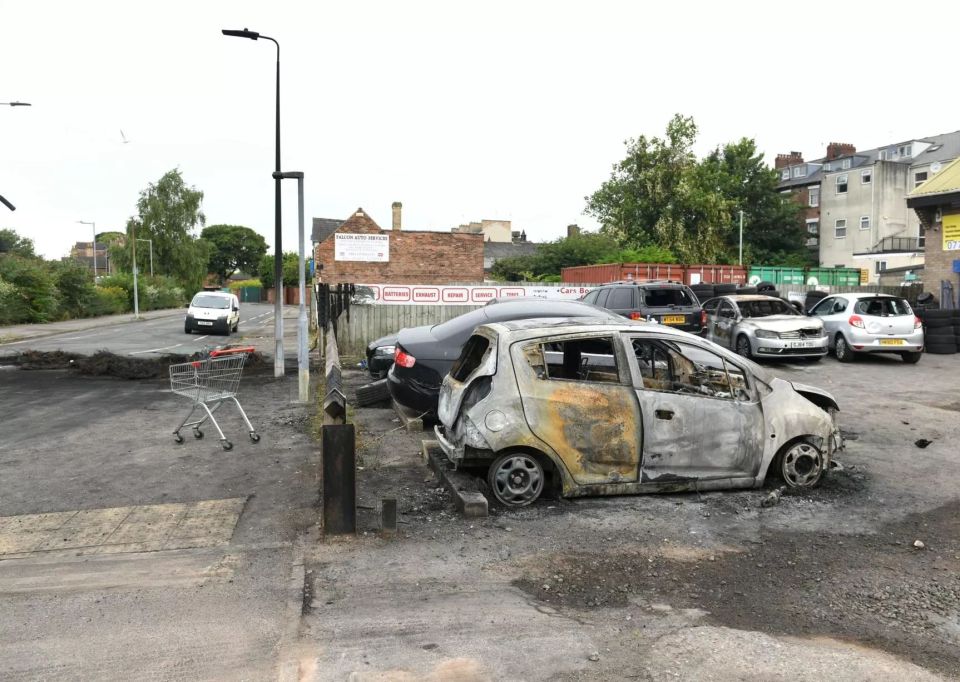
[609,409]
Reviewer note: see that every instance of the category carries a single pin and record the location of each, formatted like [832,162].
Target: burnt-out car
[611,409]
[423,355]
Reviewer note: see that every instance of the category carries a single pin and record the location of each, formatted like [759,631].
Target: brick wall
[415,257]
[937,263]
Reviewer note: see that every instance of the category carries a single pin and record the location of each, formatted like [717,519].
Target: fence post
[339,479]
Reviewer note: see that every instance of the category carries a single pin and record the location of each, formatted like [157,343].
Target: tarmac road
[157,333]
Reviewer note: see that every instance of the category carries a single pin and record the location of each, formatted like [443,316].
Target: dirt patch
[877,589]
[104,363]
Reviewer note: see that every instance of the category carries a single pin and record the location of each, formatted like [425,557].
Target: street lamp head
[245,33]
[18,104]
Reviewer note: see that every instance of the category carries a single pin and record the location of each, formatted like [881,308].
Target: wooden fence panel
[369,322]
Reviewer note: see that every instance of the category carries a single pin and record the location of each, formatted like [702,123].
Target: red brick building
[400,257]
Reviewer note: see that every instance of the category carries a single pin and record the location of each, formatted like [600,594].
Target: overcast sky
[463,111]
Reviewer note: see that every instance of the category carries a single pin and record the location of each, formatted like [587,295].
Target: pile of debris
[104,363]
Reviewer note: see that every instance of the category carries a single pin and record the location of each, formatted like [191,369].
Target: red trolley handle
[232,351]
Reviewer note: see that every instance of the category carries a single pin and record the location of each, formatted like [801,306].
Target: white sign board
[426,294]
[370,248]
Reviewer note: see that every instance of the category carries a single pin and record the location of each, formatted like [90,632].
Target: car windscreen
[202,301]
[663,298]
[882,306]
[765,308]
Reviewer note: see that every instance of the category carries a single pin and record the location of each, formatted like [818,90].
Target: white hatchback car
[870,323]
[212,311]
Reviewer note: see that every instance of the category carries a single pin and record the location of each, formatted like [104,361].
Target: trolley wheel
[177,437]
[198,434]
[254,437]
[227,445]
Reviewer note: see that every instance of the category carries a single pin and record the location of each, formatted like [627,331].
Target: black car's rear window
[662,298]
[882,307]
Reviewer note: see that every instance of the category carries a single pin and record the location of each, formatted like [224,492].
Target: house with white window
[861,196]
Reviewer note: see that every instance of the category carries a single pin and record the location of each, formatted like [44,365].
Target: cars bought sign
[370,248]
[425,294]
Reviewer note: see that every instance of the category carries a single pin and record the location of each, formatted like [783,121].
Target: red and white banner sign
[427,294]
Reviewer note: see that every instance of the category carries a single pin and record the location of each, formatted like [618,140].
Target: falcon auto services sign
[369,248]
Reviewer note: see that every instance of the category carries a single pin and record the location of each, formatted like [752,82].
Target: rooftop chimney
[791,159]
[573,230]
[397,208]
[837,149]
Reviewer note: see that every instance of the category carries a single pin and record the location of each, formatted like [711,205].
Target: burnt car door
[702,416]
[577,398]
[724,322]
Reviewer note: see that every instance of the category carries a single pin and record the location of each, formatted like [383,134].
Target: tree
[661,195]
[773,226]
[167,214]
[291,270]
[234,248]
[11,242]
[30,293]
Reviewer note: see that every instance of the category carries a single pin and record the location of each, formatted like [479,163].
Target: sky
[462,111]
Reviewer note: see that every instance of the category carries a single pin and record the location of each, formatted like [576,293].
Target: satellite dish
[812,281]
[935,167]
[754,280]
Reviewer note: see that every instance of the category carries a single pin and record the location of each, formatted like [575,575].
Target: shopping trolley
[209,382]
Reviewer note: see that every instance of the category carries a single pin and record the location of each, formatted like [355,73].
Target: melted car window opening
[470,358]
[683,369]
[591,359]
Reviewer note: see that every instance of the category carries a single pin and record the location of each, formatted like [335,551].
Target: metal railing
[896,244]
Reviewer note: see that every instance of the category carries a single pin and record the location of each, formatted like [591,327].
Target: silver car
[620,408]
[763,327]
[870,323]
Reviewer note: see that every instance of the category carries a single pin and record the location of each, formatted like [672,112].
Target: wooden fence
[369,322]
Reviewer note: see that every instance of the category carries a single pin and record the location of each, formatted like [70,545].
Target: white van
[212,311]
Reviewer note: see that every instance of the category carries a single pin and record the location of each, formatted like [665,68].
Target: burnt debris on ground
[105,363]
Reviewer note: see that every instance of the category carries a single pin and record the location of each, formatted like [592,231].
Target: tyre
[186,329]
[937,347]
[743,347]
[254,437]
[938,333]
[725,289]
[813,298]
[842,349]
[516,479]
[765,286]
[799,464]
[938,314]
[227,445]
[937,322]
[747,290]
[772,292]
[370,394]
[911,358]
[925,298]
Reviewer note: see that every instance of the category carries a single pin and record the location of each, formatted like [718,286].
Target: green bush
[108,300]
[34,295]
[155,293]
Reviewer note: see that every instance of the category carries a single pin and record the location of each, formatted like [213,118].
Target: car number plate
[673,319]
[892,342]
[205,324]
[802,344]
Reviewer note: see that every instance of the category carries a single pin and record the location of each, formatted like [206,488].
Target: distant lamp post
[278,246]
[17,104]
[151,252]
[94,224]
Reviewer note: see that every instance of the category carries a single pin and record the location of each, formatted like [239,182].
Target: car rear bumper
[409,393]
[864,342]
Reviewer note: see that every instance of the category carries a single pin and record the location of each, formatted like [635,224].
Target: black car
[424,355]
[670,303]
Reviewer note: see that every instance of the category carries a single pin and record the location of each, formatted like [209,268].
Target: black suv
[670,303]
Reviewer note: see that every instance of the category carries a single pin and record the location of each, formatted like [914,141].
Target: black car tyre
[725,289]
[911,358]
[940,347]
[842,349]
[186,329]
[746,291]
[516,479]
[743,347]
[937,322]
[938,314]
[764,287]
[373,393]
[799,464]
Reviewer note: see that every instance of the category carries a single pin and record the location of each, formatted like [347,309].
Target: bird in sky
[124,137]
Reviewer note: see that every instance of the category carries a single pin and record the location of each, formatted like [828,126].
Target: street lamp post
[278,246]
[150,241]
[303,361]
[94,224]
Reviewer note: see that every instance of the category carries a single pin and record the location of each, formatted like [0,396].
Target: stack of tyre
[703,292]
[767,289]
[813,298]
[941,330]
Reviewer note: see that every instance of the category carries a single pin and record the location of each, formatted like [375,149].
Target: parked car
[763,327]
[611,409]
[669,303]
[870,323]
[212,311]
[423,355]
